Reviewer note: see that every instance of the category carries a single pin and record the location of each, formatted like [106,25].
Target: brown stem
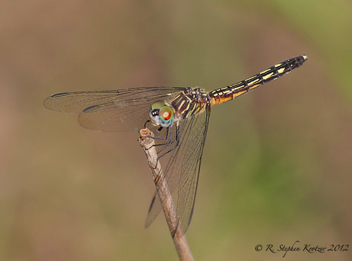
[180,241]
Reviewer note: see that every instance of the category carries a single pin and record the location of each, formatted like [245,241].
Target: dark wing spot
[59,94]
[91,108]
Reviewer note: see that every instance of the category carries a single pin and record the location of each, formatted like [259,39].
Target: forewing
[115,110]
[182,170]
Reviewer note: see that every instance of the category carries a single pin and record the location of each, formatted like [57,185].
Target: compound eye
[166,116]
[166,113]
[157,105]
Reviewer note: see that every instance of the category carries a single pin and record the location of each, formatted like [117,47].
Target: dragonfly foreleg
[158,130]
[170,142]
[175,142]
[161,138]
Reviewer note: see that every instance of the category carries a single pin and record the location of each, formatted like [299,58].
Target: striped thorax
[189,102]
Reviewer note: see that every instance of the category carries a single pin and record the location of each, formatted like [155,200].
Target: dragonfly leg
[168,144]
[161,138]
[158,130]
[176,142]
[148,121]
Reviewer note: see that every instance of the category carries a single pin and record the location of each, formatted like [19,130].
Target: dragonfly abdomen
[230,92]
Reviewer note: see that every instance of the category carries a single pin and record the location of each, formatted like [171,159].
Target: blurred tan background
[277,162]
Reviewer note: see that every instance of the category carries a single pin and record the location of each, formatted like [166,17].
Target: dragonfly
[182,113]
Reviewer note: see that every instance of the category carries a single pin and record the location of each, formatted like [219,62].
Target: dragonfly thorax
[190,102]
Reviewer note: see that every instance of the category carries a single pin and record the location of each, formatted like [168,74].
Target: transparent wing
[115,110]
[182,170]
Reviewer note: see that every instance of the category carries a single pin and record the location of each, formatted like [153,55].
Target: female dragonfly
[183,113]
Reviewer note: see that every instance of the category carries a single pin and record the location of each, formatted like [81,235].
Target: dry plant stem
[180,241]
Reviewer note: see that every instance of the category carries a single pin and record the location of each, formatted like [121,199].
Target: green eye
[157,105]
[161,114]
[166,116]
[166,113]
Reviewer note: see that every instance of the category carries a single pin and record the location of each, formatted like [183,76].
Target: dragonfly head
[161,114]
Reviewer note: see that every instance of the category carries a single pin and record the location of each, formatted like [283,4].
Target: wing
[182,170]
[115,110]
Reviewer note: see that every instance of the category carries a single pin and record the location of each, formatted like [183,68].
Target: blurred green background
[277,162]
